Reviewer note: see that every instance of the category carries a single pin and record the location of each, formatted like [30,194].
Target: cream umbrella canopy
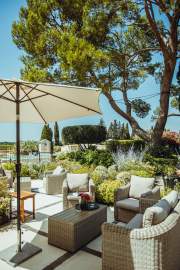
[22,101]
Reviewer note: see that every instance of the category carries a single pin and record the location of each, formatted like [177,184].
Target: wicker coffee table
[71,229]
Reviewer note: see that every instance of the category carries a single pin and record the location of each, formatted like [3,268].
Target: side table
[24,196]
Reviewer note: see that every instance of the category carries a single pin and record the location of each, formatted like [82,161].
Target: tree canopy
[103,43]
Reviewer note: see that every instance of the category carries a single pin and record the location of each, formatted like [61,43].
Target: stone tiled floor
[35,231]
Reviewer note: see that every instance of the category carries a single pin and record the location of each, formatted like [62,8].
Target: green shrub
[125,145]
[99,176]
[25,171]
[34,174]
[101,168]
[9,166]
[124,177]
[161,164]
[83,169]
[105,191]
[141,168]
[90,157]
[4,197]
[61,156]
[50,166]
[112,171]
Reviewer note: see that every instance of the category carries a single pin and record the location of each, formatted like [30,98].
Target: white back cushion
[77,180]
[172,198]
[58,170]
[140,185]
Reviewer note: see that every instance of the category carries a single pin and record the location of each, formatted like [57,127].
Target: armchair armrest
[92,189]
[65,193]
[152,194]
[121,193]
[145,203]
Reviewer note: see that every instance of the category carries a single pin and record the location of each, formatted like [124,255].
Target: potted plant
[4,202]
[85,199]
[4,210]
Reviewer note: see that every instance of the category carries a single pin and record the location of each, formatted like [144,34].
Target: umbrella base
[14,258]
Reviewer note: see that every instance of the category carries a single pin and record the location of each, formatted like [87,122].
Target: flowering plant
[85,197]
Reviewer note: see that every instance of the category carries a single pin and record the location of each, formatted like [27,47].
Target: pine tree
[45,134]
[110,131]
[115,130]
[119,131]
[127,132]
[101,122]
[122,132]
[56,134]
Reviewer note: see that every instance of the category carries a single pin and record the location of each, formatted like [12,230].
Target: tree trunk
[164,101]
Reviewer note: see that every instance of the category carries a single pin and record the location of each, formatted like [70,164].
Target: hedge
[125,145]
[84,134]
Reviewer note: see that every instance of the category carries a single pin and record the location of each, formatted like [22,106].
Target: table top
[23,195]
[73,216]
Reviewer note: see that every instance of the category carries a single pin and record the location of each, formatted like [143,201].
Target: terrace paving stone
[35,232]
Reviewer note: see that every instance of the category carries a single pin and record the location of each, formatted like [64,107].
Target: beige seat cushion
[129,204]
[77,181]
[172,198]
[73,197]
[140,185]
[136,222]
[156,213]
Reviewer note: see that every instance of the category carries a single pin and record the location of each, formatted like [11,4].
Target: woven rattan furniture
[9,175]
[70,197]
[154,248]
[25,184]
[71,229]
[52,184]
[132,206]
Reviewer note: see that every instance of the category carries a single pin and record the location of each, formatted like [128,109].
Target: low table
[71,229]
[24,196]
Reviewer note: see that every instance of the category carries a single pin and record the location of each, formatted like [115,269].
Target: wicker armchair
[153,248]
[9,175]
[52,184]
[70,196]
[126,207]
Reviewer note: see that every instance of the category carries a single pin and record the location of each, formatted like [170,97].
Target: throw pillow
[77,180]
[58,170]
[172,198]
[156,213]
[140,185]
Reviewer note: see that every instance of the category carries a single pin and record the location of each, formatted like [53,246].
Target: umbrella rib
[8,90]
[33,88]
[69,101]
[35,97]
[35,108]
[3,97]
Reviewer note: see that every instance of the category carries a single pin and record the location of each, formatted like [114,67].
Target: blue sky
[10,66]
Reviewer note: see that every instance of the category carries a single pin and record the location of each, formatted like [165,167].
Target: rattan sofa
[126,207]
[70,196]
[153,248]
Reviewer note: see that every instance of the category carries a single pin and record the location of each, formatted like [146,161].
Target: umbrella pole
[18,167]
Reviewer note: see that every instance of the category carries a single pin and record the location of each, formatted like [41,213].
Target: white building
[45,146]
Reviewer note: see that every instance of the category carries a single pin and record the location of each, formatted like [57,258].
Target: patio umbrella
[22,101]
